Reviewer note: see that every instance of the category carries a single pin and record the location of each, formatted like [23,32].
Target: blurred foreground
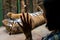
[37,34]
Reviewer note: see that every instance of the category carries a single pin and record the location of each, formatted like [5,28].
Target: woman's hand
[27,26]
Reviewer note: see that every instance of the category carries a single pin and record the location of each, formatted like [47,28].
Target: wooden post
[1,13]
[13,5]
[35,5]
[6,8]
[18,6]
[22,6]
[31,6]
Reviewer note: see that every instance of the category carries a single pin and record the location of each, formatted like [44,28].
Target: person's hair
[52,14]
